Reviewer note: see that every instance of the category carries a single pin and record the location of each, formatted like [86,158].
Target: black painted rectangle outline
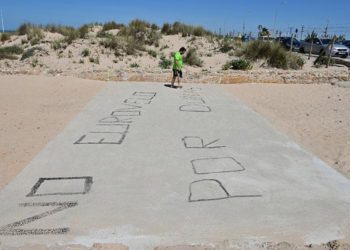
[87,186]
[126,111]
[217,172]
[79,141]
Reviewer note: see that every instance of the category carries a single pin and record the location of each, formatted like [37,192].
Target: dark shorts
[177,73]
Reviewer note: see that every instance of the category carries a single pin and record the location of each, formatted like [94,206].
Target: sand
[33,110]
[315,116]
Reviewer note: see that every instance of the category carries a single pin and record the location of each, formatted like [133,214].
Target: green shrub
[34,33]
[112,42]
[5,37]
[257,50]
[323,60]
[141,32]
[10,52]
[112,26]
[239,64]
[95,60]
[278,57]
[34,62]
[61,29]
[184,30]
[57,44]
[83,31]
[30,52]
[85,53]
[153,38]
[154,27]
[134,65]
[192,58]
[70,33]
[71,36]
[120,44]
[199,31]
[295,61]
[165,63]
[24,29]
[275,55]
[152,53]
[132,46]
[166,29]
[226,45]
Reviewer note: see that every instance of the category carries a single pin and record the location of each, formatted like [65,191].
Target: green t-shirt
[178,58]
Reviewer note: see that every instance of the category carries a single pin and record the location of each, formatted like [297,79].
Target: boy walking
[177,66]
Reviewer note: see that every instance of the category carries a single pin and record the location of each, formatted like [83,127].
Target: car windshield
[295,41]
[326,41]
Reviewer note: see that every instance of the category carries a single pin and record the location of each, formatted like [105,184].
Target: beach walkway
[147,165]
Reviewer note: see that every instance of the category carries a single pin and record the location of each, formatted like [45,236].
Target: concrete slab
[145,165]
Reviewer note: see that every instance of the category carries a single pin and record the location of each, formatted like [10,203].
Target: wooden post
[330,51]
[312,44]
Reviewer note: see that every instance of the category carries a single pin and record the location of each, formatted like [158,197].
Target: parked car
[320,46]
[346,43]
[266,38]
[287,41]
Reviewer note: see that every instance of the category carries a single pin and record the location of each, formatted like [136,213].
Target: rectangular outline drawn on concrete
[217,172]
[101,142]
[117,119]
[87,185]
[136,100]
[123,135]
[228,196]
[152,94]
[204,146]
[137,112]
[181,108]
[191,100]
[10,229]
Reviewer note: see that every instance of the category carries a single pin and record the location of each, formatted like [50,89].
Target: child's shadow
[173,87]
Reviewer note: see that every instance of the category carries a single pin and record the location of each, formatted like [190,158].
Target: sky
[216,15]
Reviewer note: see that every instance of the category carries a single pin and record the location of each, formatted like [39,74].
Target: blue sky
[227,15]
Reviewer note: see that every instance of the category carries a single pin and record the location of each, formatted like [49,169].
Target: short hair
[182,49]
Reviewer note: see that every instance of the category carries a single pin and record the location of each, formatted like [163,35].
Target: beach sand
[33,110]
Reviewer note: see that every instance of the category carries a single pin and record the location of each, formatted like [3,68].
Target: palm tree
[263,31]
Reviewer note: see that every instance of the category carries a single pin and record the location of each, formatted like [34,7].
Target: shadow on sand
[173,87]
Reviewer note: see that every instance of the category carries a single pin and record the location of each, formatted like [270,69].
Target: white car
[320,46]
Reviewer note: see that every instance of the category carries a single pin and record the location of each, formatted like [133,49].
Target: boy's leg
[173,81]
[174,78]
[179,77]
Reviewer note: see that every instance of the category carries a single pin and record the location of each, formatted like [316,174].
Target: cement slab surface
[146,165]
